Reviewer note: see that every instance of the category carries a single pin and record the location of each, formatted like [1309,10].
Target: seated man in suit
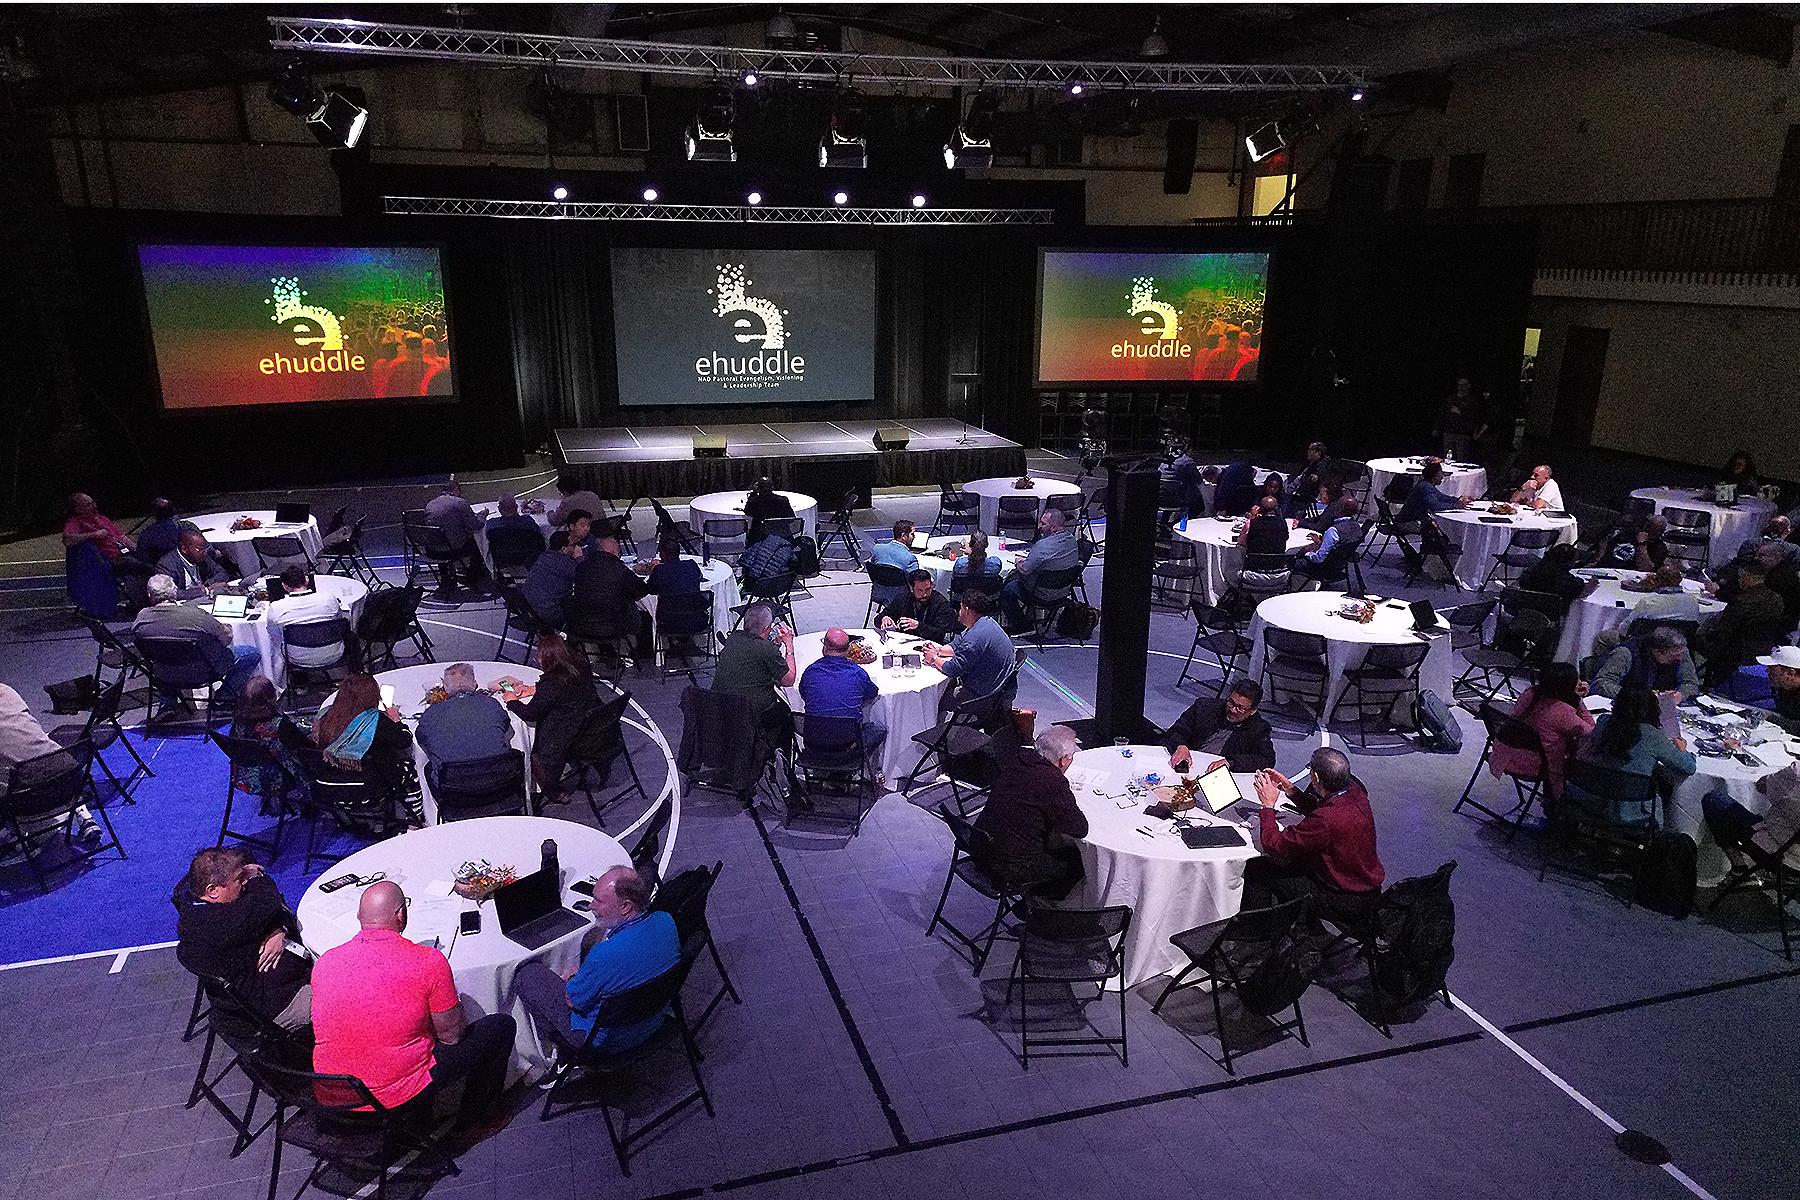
[1227,731]
[196,567]
[1330,855]
[166,616]
[604,596]
[921,609]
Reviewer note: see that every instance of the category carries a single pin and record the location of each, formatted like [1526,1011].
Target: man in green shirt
[752,664]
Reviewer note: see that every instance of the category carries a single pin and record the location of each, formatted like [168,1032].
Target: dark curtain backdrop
[555,275]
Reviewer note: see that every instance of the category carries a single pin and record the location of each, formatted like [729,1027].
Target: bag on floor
[806,557]
[1077,620]
[1666,881]
[72,695]
[1281,977]
[1438,730]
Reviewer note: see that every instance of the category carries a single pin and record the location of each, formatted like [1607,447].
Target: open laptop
[225,604]
[293,514]
[1425,619]
[531,912]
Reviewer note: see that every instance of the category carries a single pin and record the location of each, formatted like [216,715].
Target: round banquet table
[1208,489]
[1731,527]
[1168,887]
[1346,641]
[253,630]
[908,704]
[1460,479]
[942,567]
[991,490]
[1777,750]
[1601,610]
[716,577]
[1220,558]
[424,863]
[487,511]
[1484,541]
[218,531]
[410,685]
[716,506]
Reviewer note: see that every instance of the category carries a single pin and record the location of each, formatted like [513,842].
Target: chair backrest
[331,631]
[1472,615]
[1508,730]
[425,537]
[1254,927]
[684,898]
[602,733]
[189,659]
[1070,503]
[1212,617]
[846,506]
[338,1101]
[519,610]
[1399,488]
[477,778]
[337,521]
[388,614]
[1688,520]
[245,753]
[642,1003]
[724,528]
[788,527]
[107,702]
[886,575]
[1517,600]
[1404,657]
[1053,585]
[1299,645]
[515,547]
[775,587]
[1018,504]
[1177,550]
[823,735]
[48,784]
[1074,927]
[971,843]
[1533,539]
[1611,783]
[684,614]
[649,842]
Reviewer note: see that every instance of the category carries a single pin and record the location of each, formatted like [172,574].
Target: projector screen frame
[133,246]
[1267,249]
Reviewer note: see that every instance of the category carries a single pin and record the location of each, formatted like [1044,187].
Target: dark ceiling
[54,54]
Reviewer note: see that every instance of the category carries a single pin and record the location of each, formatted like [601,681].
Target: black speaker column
[1125,597]
[1184,144]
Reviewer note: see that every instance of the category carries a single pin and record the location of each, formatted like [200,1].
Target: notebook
[531,913]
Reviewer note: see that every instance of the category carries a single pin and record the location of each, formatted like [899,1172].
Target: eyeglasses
[1235,706]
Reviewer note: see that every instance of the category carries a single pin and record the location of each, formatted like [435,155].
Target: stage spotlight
[918,201]
[708,137]
[749,78]
[1356,93]
[754,197]
[840,197]
[293,89]
[1076,88]
[1265,141]
[844,144]
[971,144]
[650,195]
[335,119]
[559,192]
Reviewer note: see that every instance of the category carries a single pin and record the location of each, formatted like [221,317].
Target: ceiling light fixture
[559,192]
[754,197]
[971,144]
[1267,140]
[708,136]
[1156,45]
[918,201]
[650,195]
[840,197]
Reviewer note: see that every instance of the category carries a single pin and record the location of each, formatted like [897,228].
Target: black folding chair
[252,760]
[111,654]
[834,782]
[390,616]
[428,550]
[685,629]
[102,728]
[513,550]
[480,787]
[886,584]
[328,634]
[791,528]
[956,508]
[1614,809]
[598,744]
[843,530]
[1688,536]
[1222,637]
[723,538]
[1780,867]
[1243,949]
[684,898]
[183,662]
[777,591]
[1523,551]
[960,733]
[1046,594]
[1017,518]
[343,553]
[42,794]
[1172,579]
[970,856]
[1406,936]
[355,803]
[244,1031]
[1386,675]
[1067,946]
[281,550]
[580,1063]
[1296,661]
[1504,730]
[522,617]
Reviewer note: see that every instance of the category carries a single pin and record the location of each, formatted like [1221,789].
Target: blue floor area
[107,903]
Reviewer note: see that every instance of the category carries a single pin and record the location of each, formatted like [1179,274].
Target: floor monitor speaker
[887,438]
[709,445]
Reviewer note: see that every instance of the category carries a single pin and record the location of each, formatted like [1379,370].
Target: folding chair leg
[199,1011]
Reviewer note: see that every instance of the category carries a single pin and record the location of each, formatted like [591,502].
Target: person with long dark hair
[1630,738]
[564,697]
[1740,469]
[1552,707]
[258,717]
[359,736]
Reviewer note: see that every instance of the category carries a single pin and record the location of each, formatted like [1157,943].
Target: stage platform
[820,458]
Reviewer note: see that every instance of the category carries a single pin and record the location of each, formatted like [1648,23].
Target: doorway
[1578,386]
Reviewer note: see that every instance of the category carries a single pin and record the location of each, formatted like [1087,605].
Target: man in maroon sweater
[1032,820]
[1329,857]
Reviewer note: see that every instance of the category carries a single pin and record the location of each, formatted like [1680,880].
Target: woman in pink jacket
[1552,706]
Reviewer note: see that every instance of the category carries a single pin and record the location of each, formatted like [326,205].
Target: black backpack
[1415,940]
[1077,620]
[806,557]
[1282,977]
[1665,882]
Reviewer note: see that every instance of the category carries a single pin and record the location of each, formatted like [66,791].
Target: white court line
[1563,1085]
[118,955]
[119,962]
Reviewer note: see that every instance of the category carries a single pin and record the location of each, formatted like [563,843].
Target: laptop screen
[1220,789]
[1424,616]
[230,606]
[292,514]
[525,900]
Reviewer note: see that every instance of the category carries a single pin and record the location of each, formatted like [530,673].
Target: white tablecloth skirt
[990,491]
[351,595]
[424,863]
[1594,614]
[1731,527]
[1483,542]
[717,578]
[716,506]
[1220,558]
[906,705]
[1470,481]
[410,685]
[1347,643]
[1168,887]
[217,528]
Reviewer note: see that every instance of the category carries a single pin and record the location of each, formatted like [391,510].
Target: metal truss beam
[501,49]
[571,210]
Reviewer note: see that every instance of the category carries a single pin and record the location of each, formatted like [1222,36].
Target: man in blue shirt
[551,578]
[465,726]
[1312,564]
[672,573]
[897,553]
[635,947]
[1426,498]
[981,656]
[834,686]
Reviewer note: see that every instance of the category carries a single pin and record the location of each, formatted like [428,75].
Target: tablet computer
[1219,788]
[227,605]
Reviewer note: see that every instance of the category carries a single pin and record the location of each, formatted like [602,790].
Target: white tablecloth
[1460,479]
[410,685]
[1168,887]
[991,490]
[1736,779]
[1346,641]
[253,630]
[486,511]
[716,577]
[424,864]
[907,704]
[1731,527]
[1601,610]
[716,506]
[217,528]
[1220,558]
[943,568]
[1483,542]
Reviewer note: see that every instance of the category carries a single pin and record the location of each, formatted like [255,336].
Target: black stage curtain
[554,274]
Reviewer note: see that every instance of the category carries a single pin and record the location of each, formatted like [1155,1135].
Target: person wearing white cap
[1783,663]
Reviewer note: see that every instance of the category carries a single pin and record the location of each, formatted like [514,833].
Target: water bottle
[1184,517]
[549,861]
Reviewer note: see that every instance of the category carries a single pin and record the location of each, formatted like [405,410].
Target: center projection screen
[727,327]
[236,326]
[1124,316]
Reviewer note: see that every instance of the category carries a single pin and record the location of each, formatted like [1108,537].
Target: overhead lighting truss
[551,210]
[501,49]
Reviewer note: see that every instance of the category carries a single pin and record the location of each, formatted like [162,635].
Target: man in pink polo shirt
[386,1011]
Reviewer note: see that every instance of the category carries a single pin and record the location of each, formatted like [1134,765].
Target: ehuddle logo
[1157,320]
[753,319]
[311,326]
